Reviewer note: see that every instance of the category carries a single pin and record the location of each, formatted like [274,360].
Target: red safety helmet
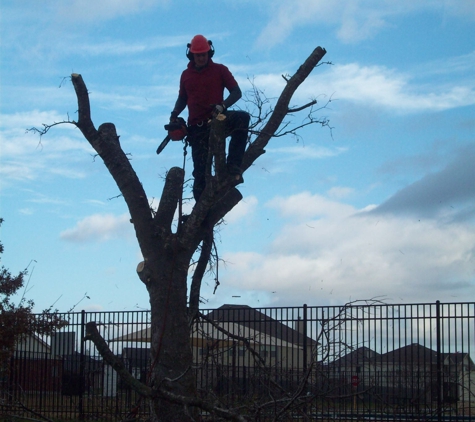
[199,44]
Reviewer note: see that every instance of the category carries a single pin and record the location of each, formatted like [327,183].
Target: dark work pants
[237,126]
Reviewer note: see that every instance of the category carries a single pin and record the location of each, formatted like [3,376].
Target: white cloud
[27,156]
[43,199]
[381,87]
[339,192]
[304,205]
[92,10]
[17,171]
[306,152]
[99,228]
[377,86]
[26,211]
[244,208]
[354,21]
[328,253]
[119,47]
[287,15]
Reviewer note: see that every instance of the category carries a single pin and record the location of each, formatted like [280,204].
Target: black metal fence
[360,361]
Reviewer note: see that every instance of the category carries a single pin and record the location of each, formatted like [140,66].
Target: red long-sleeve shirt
[204,88]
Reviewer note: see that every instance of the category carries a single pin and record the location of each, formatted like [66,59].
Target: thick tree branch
[223,206]
[198,274]
[106,142]
[171,195]
[84,122]
[93,334]
[281,109]
[143,390]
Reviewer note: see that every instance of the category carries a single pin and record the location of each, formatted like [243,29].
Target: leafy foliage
[17,319]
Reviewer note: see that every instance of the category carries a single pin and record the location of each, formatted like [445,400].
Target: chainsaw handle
[173,126]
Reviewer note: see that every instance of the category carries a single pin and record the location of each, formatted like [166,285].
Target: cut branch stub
[217,141]
[143,271]
[84,122]
[172,192]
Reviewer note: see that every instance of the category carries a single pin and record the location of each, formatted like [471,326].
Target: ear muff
[189,54]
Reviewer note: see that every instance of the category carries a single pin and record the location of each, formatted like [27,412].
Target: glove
[173,116]
[218,109]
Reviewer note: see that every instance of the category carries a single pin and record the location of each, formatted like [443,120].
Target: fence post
[439,361]
[304,332]
[305,349]
[82,363]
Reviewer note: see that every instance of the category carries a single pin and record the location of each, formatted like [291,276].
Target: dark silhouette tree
[168,247]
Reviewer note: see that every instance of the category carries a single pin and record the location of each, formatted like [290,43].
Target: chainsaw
[177,131]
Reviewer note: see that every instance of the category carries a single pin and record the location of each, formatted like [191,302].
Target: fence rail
[360,360]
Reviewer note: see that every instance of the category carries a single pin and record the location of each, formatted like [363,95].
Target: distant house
[357,361]
[232,343]
[230,332]
[32,346]
[38,366]
[459,379]
[462,361]
[33,366]
[348,373]
[407,374]
[275,343]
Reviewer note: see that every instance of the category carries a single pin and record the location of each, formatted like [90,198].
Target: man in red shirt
[202,86]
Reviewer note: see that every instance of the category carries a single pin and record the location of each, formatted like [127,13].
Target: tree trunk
[171,354]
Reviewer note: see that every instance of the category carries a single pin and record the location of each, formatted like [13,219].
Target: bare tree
[167,252]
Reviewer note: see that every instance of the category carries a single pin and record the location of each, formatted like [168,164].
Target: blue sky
[382,206]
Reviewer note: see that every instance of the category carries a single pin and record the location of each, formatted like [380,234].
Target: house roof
[458,358]
[240,320]
[22,343]
[258,322]
[357,357]
[411,354]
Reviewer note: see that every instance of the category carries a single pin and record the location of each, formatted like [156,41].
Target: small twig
[294,110]
[46,127]
[115,197]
